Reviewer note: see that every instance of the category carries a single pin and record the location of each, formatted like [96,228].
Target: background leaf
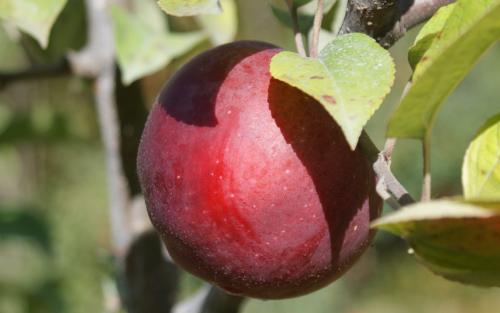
[457,240]
[481,168]
[25,223]
[221,28]
[309,7]
[350,79]
[283,16]
[190,7]
[471,28]
[143,43]
[35,17]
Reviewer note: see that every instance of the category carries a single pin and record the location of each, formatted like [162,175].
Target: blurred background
[54,227]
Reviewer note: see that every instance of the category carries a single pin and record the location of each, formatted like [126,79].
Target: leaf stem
[318,17]
[426,184]
[299,41]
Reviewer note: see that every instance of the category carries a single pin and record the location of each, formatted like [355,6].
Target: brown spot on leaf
[316,77]
[329,99]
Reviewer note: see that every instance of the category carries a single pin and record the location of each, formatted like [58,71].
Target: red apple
[249,182]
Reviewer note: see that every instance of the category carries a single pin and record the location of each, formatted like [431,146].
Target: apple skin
[249,182]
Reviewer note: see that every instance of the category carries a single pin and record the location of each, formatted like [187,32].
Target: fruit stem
[318,17]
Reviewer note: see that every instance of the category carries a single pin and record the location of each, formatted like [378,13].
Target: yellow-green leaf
[481,168]
[350,79]
[471,28]
[457,240]
[190,7]
[35,17]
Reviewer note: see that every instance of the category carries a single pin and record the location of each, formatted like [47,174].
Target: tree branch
[96,60]
[388,186]
[58,68]
[388,20]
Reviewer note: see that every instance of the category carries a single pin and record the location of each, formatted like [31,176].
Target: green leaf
[457,240]
[350,79]
[283,16]
[221,28]
[35,17]
[428,33]
[190,7]
[481,168]
[471,28]
[143,43]
[69,32]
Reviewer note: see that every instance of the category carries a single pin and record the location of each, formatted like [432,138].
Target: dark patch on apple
[197,105]
[319,142]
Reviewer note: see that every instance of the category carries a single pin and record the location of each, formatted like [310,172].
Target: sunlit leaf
[454,239]
[481,168]
[350,79]
[35,17]
[190,7]
[471,28]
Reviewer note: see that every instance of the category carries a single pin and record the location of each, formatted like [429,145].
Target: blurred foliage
[35,17]
[51,158]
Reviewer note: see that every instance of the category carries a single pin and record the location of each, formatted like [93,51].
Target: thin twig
[299,41]
[318,18]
